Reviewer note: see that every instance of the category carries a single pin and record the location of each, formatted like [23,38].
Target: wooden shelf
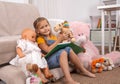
[108,2]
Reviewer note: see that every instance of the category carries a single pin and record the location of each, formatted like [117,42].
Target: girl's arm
[19,52]
[47,48]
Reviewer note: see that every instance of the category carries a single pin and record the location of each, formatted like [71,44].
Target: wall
[17,1]
[70,10]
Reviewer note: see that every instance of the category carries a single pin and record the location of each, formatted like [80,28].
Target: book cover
[99,23]
[75,48]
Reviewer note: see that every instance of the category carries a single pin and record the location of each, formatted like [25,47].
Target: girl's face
[43,28]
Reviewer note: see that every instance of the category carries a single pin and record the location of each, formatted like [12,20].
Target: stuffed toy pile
[81,32]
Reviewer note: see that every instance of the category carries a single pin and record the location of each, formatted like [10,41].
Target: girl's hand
[65,35]
[62,37]
[43,55]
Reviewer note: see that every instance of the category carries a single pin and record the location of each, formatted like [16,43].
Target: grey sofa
[14,17]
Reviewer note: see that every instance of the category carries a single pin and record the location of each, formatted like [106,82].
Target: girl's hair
[35,24]
[39,19]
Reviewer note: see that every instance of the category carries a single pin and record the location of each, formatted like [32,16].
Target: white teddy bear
[108,64]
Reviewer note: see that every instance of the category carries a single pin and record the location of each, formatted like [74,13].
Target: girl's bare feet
[87,73]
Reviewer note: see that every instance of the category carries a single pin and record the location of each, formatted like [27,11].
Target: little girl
[29,52]
[47,41]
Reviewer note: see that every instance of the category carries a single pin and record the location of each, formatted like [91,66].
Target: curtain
[47,8]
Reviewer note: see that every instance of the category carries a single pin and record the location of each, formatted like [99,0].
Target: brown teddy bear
[65,29]
[33,68]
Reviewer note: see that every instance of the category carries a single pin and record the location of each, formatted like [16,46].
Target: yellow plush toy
[65,29]
[97,65]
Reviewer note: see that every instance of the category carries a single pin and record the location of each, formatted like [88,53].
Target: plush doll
[28,52]
[97,65]
[108,64]
[33,78]
[81,32]
[32,68]
[65,29]
[114,56]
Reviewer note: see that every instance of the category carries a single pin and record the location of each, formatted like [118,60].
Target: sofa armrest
[12,75]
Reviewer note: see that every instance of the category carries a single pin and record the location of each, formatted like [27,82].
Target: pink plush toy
[81,32]
[115,57]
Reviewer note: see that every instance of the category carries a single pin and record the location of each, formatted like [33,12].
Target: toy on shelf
[65,29]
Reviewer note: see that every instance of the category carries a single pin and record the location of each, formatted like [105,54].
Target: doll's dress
[32,55]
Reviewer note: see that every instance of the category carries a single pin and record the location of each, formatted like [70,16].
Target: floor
[108,77]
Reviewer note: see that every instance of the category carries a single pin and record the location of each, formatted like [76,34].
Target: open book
[77,49]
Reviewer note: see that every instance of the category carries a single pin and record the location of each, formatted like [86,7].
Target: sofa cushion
[15,17]
[10,72]
[7,48]
[57,73]
[12,75]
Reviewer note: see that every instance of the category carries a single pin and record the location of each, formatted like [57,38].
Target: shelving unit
[95,36]
[109,9]
[109,2]
[111,22]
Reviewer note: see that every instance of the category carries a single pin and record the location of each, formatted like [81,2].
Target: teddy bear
[33,78]
[81,32]
[64,28]
[33,68]
[108,64]
[114,58]
[97,65]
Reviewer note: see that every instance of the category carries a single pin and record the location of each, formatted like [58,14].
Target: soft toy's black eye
[78,34]
[59,25]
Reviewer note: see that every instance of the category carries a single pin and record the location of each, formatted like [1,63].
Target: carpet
[106,77]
